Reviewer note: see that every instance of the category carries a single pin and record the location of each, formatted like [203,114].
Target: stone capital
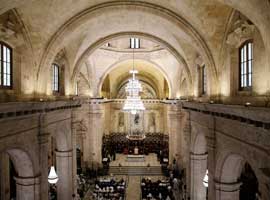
[194,156]
[27,181]
[228,187]
[67,153]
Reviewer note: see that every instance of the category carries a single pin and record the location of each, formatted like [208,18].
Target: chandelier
[133,102]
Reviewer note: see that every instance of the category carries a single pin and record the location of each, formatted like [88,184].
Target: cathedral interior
[135,99]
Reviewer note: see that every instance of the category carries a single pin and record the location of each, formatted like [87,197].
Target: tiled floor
[122,159]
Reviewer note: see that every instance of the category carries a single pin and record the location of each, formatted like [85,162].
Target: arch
[73,23]
[115,65]
[153,89]
[234,160]
[231,168]
[27,183]
[61,132]
[198,140]
[22,162]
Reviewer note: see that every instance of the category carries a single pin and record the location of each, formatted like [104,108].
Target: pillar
[27,188]
[187,162]
[174,118]
[211,160]
[227,191]
[96,116]
[43,160]
[198,164]
[5,184]
[64,172]
[74,155]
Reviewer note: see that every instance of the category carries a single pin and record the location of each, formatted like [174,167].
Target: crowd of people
[109,189]
[118,143]
[156,190]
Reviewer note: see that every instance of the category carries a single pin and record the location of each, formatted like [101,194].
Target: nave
[93,91]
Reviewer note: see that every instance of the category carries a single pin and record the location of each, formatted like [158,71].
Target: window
[76,89]
[134,43]
[55,78]
[246,64]
[204,81]
[5,66]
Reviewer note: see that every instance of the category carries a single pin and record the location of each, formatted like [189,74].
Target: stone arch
[22,162]
[84,87]
[228,170]
[77,20]
[61,133]
[144,81]
[231,168]
[199,144]
[27,183]
[114,65]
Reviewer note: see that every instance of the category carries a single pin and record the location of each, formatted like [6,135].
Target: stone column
[5,184]
[174,117]
[96,133]
[187,140]
[74,154]
[64,172]
[82,141]
[27,188]
[198,168]
[43,161]
[227,191]
[211,168]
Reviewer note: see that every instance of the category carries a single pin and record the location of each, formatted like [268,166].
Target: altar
[132,160]
[135,158]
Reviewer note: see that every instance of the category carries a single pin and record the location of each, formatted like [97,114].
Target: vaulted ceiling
[188,30]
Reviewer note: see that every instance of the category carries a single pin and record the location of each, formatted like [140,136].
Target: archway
[149,72]
[198,166]
[235,179]
[60,153]
[83,19]
[249,187]
[17,175]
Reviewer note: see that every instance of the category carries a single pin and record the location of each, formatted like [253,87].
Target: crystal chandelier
[133,102]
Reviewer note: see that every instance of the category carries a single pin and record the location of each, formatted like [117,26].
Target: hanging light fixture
[133,102]
[52,178]
[205,179]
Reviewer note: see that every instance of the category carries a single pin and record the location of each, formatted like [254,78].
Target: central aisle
[133,191]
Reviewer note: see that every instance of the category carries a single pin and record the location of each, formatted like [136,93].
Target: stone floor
[133,191]
[122,159]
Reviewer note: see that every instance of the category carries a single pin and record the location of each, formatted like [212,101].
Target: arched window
[204,81]
[5,66]
[246,64]
[55,78]
[134,43]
